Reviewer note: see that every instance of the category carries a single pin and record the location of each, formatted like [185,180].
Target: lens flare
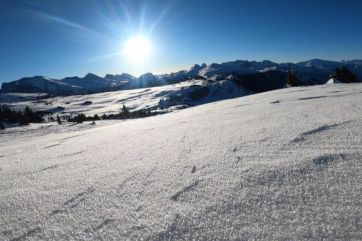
[138,49]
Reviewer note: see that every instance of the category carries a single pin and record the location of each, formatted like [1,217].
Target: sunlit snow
[281,165]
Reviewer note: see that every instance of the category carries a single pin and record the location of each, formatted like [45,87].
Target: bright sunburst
[137,49]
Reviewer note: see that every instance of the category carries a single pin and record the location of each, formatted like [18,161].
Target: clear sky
[73,37]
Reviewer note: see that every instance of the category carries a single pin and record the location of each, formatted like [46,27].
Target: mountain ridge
[310,72]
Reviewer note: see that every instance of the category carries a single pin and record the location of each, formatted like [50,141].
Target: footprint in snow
[325,160]
[184,190]
[74,201]
[50,167]
[312,97]
[57,144]
[105,222]
[314,131]
[27,234]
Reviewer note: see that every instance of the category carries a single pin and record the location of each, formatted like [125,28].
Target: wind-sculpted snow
[279,165]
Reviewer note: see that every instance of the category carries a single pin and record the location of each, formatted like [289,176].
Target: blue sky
[75,37]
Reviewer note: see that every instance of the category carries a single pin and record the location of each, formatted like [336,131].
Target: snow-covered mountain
[315,71]
[320,64]
[41,84]
[280,165]
[119,78]
[237,67]
[90,82]
[356,67]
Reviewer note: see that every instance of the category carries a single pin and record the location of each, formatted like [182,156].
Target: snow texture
[281,165]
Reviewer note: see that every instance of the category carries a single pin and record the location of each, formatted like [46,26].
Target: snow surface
[281,165]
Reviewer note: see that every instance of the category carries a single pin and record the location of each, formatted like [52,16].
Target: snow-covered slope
[281,165]
[20,97]
[162,98]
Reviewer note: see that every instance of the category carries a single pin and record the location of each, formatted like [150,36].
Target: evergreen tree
[9,115]
[58,120]
[124,109]
[96,117]
[345,75]
[125,113]
[31,116]
[80,118]
[292,79]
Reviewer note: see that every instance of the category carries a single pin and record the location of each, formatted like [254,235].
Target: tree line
[9,115]
[123,114]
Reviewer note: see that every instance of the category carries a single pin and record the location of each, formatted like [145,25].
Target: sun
[137,49]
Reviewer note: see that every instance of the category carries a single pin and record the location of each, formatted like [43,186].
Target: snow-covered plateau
[280,165]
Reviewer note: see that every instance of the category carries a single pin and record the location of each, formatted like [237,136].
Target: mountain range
[256,74]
